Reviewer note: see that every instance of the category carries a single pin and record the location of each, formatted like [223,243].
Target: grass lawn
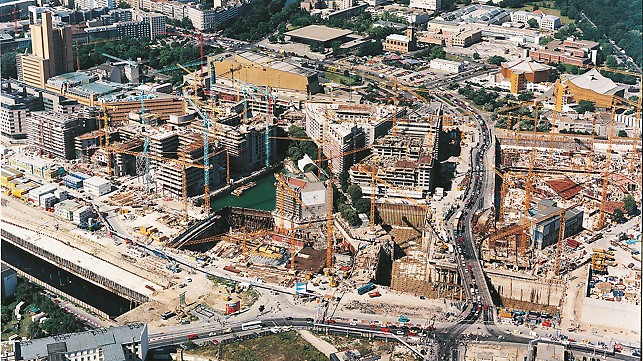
[287,346]
[549,11]
[338,78]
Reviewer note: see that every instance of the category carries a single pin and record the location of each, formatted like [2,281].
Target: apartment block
[447,65]
[53,134]
[14,109]
[405,159]
[247,144]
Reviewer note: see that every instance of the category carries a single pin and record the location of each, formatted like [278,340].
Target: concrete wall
[612,314]
[526,289]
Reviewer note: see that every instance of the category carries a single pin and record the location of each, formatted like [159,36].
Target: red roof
[565,187]
[297,182]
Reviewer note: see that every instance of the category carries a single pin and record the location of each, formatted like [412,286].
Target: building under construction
[405,159]
[304,203]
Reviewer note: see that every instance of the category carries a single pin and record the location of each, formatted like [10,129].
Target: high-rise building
[53,134]
[51,53]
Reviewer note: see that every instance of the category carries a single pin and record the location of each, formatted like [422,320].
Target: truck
[374,294]
[231,268]
[366,288]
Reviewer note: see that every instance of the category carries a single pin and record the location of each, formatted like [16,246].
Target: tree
[350,215]
[354,192]
[533,23]
[295,153]
[545,40]
[8,62]
[496,60]
[124,5]
[370,48]
[476,56]
[585,106]
[362,205]
[629,204]
[618,216]
[622,133]
[262,308]
[611,62]
[343,180]
[34,331]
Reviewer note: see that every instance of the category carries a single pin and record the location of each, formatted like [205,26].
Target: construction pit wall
[526,292]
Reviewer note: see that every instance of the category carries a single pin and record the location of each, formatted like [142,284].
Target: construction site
[555,195]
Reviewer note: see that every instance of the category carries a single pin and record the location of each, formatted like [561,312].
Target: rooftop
[318,33]
[596,82]
[110,341]
[272,63]
[527,65]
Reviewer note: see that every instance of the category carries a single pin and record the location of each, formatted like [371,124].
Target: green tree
[34,331]
[585,106]
[618,216]
[295,153]
[370,48]
[362,205]
[354,192]
[533,23]
[611,62]
[545,40]
[476,56]
[496,60]
[8,69]
[622,133]
[343,180]
[629,204]
[351,216]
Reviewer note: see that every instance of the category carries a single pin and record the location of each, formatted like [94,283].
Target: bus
[456,221]
[252,325]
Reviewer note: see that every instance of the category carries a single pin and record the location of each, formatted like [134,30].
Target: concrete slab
[100,267]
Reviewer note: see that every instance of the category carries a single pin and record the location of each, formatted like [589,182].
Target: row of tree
[58,321]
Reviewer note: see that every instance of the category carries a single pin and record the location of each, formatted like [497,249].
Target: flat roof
[318,33]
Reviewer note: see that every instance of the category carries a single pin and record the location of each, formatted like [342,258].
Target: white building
[96,186]
[81,215]
[432,5]
[93,4]
[36,194]
[376,2]
[128,342]
[13,113]
[447,65]
[549,22]
[65,209]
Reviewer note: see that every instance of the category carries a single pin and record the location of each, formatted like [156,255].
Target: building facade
[431,5]
[51,53]
[53,134]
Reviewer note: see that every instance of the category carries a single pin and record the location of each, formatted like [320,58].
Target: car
[289,318]
[330,321]
[212,334]
[310,320]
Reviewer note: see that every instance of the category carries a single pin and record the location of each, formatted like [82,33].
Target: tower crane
[284,186]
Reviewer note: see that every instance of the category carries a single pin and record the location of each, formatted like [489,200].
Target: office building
[94,4]
[549,22]
[14,108]
[9,281]
[262,70]
[401,43]
[545,233]
[128,342]
[447,66]
[569,51]
[310,191]
[431,5]
[51,53]
[52,134]
[246,144]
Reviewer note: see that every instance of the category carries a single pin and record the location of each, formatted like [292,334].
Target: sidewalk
[321,345]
